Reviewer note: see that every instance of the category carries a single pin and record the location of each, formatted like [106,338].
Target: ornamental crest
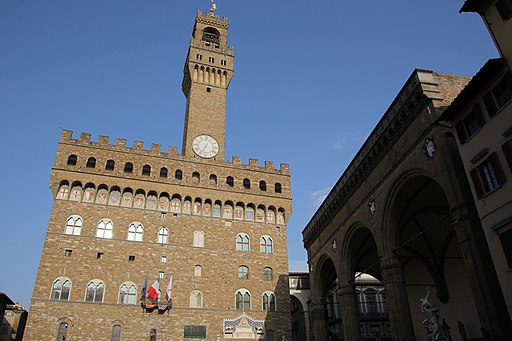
[244,327]
[430,147]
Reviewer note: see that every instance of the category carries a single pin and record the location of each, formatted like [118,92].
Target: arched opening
[329,297]
[430,256]
[299,332]
[110,165]
[211,36]
[362,263]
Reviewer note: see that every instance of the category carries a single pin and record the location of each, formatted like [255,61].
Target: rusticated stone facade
[123,213]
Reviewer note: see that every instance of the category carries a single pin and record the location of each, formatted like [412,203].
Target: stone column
[490,304]
[319,318]
[396,296]
[349,313]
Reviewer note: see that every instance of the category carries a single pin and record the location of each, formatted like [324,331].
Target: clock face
[205,146]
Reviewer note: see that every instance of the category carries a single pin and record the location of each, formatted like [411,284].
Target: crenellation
[156,148]
[211,16]
[120,142]
[138,145]
[66,135]
[172,151]
[253,163]
[85,138]
[285,168]
[103,140]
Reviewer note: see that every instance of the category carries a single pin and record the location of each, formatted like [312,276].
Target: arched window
[74,225]
[178,175]
[213,179]
[230,182]
[243,300]
[263,186]
[267,274]
[128,167]
[271,216]
[63,331]
[249,213]
[72,160]
[110,165]
[247,183]
[135,232]
[278,188]
[242,242]
[266,244]
[269,301]
[104,229]
[95,290]
[91,162]
[198,271]
[116,333]
[211,36]
[198,239]
[196,177]
[243,272]
[61,288]
[146,170]
[163,172]
[163,235]
[196,299]
[127,293]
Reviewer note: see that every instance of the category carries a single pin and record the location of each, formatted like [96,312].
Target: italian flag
[154,290]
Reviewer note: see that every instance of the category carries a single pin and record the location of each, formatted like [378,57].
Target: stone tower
[208,71]
[126,218]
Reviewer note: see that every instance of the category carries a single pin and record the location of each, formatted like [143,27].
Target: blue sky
[312,78]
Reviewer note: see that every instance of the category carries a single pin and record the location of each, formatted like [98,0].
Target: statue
[462,331]
[435,331]
[214,6]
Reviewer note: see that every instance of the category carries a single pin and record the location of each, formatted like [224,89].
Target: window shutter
[504,7]
[475,176]
[506,244]
[507,150]
[479,117]
[496,166]
[461,132]
[490,106]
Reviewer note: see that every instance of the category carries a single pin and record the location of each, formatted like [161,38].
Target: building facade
[482,118]
[14,318]
[206,235]
[371,300]
[403,213]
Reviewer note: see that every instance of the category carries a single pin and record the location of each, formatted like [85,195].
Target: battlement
[172,152]
[211,17]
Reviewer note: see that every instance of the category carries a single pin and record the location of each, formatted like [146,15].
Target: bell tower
[206,77]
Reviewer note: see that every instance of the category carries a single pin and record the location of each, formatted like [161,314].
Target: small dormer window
[211,36]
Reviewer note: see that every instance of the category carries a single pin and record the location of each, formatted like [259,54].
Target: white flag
[169,289]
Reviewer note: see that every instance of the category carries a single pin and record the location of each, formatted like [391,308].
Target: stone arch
[359,251]
[359,256]
[419,235]
[326,314]
[391,198]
